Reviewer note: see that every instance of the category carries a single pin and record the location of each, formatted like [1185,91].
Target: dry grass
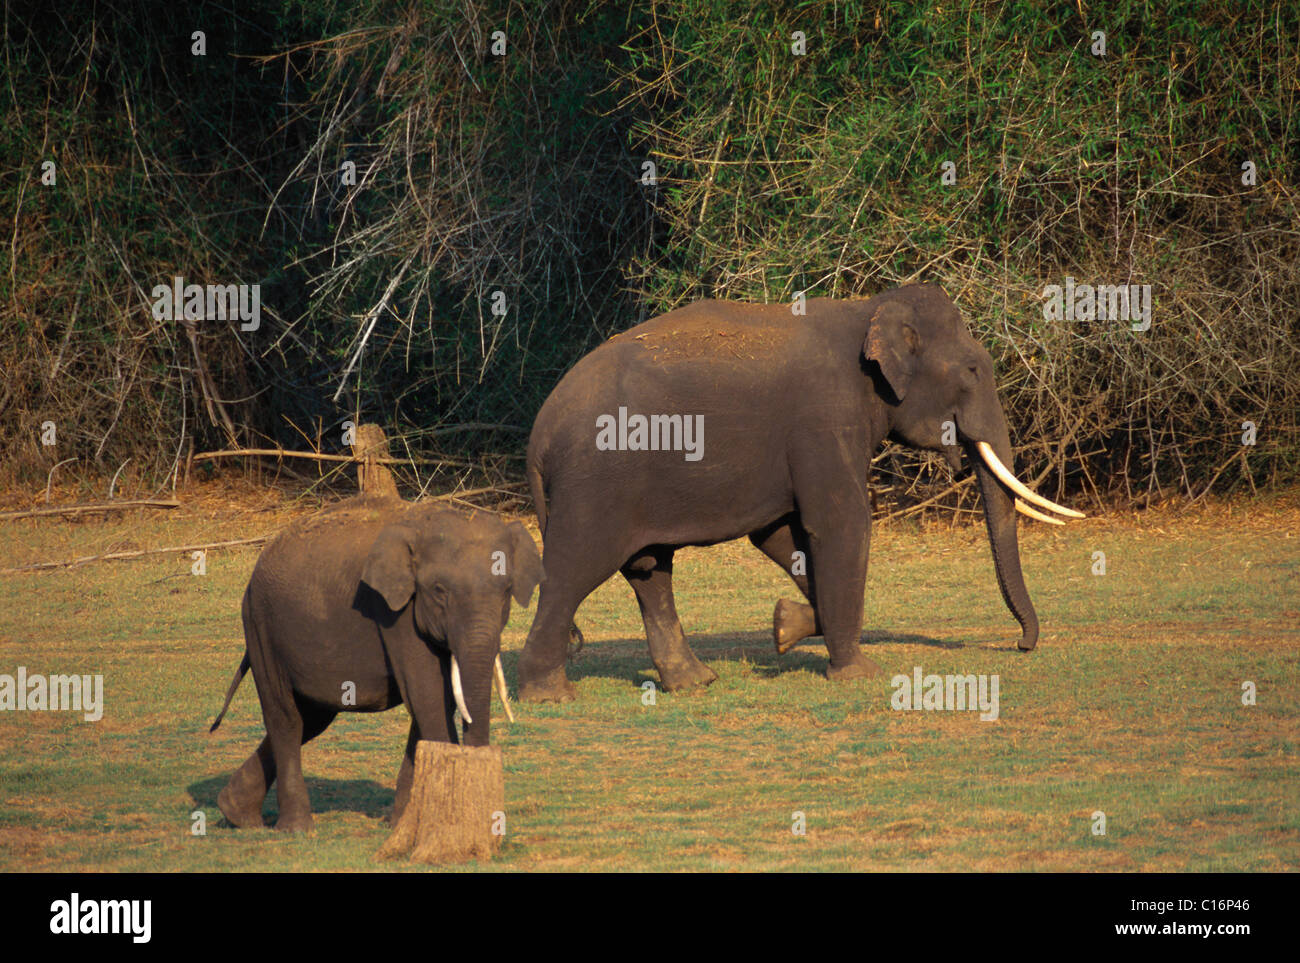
[1130,705]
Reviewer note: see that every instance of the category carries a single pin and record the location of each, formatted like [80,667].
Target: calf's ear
[525,564]
[892,343]
[389,568]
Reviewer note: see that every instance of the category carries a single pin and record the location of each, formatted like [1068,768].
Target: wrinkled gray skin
[376,594]
[794,407]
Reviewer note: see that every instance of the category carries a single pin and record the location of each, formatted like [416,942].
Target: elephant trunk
[1000,517]
[475,662]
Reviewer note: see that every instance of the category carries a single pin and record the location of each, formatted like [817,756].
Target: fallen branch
[283,453]
[97,507]
[113,556]
[315,456]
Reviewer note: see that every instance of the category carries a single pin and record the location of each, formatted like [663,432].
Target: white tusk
[501,686]
[458,692]
[1034,513]
[1014,483]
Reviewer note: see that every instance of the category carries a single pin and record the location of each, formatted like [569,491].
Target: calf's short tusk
[1034,513]
[501,687]
[1014,483]
[458,692]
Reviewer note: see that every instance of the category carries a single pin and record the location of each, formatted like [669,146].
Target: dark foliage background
[521,174]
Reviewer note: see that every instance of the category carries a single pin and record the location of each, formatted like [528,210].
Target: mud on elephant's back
[457,806]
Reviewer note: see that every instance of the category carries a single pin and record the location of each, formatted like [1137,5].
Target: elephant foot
[686,675]
[552,687]
[792,622]
[240,813]
[294,823]
[859,667]
[543,680]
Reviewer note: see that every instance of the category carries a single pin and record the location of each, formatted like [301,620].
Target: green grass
[1131,705]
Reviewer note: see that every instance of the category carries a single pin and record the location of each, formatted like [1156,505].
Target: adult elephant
[719,420]
[372,604]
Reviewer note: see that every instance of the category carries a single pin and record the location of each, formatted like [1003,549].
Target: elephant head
[944,399]
[461,573]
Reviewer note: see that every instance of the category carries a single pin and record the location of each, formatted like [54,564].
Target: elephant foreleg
[835,511]
[437,707]
[843,551]
[405,775]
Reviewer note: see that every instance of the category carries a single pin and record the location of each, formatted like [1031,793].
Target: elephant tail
[538,489]
[242,671]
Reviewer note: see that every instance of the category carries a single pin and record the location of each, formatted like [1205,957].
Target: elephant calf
[371,604]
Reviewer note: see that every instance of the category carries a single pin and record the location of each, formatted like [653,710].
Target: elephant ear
[390,568]
[892,343]
[525,564]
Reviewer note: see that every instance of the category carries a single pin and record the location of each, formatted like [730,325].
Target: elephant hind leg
[286,730]
[575,567]
[786,544]
[650,573]
[242,798]
[295,804]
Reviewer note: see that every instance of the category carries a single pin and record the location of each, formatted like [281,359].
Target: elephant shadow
[364,796]
[619,659]
[629,659]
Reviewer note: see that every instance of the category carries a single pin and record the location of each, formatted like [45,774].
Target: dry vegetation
[521,174]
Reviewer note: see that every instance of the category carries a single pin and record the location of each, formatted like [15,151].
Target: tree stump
[373,478]
[457,807]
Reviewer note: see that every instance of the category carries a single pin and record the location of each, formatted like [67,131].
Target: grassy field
[1131,706]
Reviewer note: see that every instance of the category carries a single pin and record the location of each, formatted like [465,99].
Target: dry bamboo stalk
[284,453]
